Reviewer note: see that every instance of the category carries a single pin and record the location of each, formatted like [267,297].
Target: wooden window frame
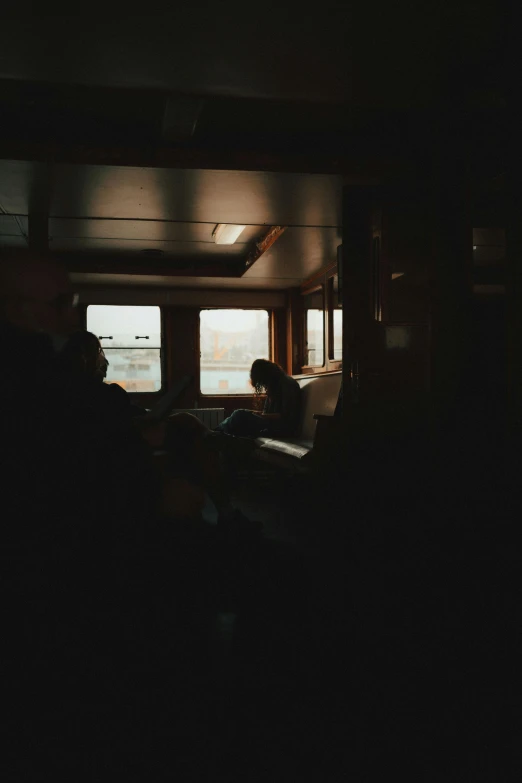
[324,280]
[333,364]
[272,344]
[145,395]
[314,368]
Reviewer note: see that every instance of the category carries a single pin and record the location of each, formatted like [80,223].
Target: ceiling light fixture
[226,233]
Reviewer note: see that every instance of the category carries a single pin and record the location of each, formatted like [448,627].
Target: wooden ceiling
[127,136]
[380,54]
[159,222]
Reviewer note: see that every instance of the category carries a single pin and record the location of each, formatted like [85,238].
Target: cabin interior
[361,152]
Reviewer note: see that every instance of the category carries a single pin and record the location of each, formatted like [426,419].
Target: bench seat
[296,448]
[319,396]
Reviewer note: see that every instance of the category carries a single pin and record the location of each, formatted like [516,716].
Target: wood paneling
[247,197]
[294,331]
[180,354]
[182,351]
[373,56]
[181,297]
[253,198]
[322,279]
[104,214]
[297,254]
[149,281]
[90,247]
[143,230]
[279,341]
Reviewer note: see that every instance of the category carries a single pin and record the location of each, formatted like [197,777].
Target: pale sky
[234,320]
[115,319]
[314,320]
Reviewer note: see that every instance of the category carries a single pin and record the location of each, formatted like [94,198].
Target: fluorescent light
[226,233]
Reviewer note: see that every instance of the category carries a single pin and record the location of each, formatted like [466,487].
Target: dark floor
[200,692]
[333,657]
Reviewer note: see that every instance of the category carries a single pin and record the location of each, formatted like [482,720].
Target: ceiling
[158,223]
[367,54]
[127,136]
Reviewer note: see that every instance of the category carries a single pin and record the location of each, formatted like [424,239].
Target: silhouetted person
[84,358]
[85,508]
[282,408]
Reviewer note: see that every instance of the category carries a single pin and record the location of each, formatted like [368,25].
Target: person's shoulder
[292,382]
[116,394]
[117,390]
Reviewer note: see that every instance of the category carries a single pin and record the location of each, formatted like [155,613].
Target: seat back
[319,394]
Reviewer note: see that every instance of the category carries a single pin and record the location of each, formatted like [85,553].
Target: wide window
[230,340]
[131,339]
[314,327]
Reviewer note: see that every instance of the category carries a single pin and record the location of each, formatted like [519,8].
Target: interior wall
[181,297]
[180,323]
[181,355]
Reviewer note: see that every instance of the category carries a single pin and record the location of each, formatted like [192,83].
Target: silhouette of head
[264,375]
[83,355]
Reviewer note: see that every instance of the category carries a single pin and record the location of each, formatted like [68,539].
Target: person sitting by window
[83,357]
[281,412]
[189,469]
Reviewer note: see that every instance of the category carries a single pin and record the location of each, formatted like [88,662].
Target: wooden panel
[294,331]
[373,56]
[181,357]
[247,197]
[279,341]
[188,195]
[181,297]
[182,351]
[179,250]
[298,253]
[190,50]
[154,230]
[182,281]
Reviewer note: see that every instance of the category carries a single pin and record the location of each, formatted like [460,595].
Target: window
[322,330]
[314,328]
[230,340]
[131,340]
[335,313]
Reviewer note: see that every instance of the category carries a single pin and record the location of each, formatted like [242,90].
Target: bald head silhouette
[35,293]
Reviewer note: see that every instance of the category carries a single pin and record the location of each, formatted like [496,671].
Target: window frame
[304,293]
[162,356]
[331,307]
[324,279]
[271,350]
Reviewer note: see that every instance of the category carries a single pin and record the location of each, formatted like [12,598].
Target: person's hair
[79,348]
[264,375]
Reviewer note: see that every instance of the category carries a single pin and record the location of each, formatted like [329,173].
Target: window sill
[203,396]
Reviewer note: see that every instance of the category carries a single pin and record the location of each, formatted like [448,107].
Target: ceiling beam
[359,166]
[116,265]
[262,245]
